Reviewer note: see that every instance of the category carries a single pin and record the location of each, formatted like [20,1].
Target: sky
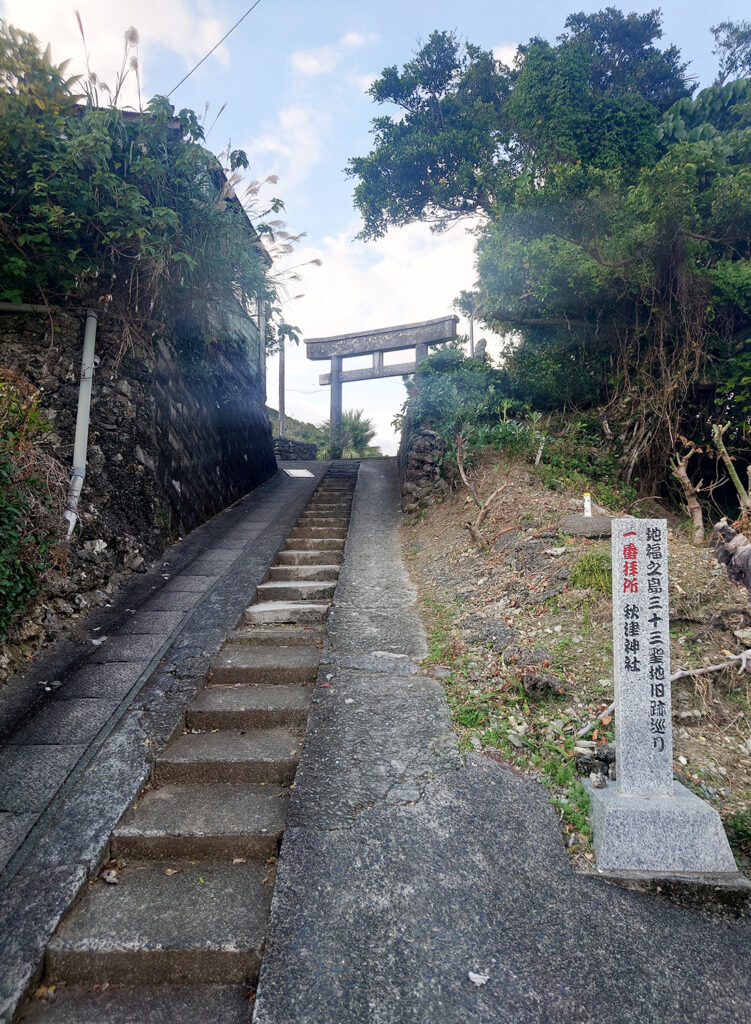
[292,79]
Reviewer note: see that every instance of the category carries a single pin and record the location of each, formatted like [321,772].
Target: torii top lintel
[385,339]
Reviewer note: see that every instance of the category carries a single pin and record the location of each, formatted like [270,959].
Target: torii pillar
[420,337]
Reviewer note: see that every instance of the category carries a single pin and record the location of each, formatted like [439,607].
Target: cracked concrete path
[402,869]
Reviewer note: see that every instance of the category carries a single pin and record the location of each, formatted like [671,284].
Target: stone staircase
[181,924]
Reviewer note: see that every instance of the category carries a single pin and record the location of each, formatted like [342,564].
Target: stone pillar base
[661,835]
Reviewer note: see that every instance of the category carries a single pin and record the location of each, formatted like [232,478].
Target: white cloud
[506,53]
[353,39]
[322,60]
[187,29]
[410,275]
[290,147]
[364,82]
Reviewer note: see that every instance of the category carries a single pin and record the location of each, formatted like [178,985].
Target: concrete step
[281,635]
[303,572]
[302,590]
[252,755]
[319,519]
[204,924]
[314,544]
[258,706]
[310,532]
[285,611]
[329,506]
[164,1004]
[203,822]
[310,557]
[243,663]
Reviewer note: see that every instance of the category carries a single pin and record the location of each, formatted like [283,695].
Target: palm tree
[357,433]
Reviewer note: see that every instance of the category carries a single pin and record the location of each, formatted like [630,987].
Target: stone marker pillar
[645,823]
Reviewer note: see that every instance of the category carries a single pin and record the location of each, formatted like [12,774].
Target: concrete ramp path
[402,870]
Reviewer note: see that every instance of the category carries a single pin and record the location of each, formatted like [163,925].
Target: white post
[81,442]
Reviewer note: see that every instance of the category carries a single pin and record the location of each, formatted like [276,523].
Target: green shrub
[593,571]
[31,493]
[738,828]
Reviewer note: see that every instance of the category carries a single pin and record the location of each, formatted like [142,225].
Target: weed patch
[593,571]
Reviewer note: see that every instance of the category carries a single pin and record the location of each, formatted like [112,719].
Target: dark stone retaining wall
[172,441]
[211,429]
[287,450]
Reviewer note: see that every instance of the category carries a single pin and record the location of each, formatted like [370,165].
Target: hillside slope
[522,631]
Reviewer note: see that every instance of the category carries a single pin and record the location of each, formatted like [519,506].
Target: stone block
[678,834]
[593,527]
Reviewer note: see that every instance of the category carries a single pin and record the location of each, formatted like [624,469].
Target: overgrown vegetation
[615,226]
[120,210]
[31,490]
[126,212]
[471,405]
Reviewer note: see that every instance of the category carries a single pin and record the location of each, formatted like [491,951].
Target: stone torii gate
[419,336]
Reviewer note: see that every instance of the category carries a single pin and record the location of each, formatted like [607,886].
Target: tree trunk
[717,432]
[692,502]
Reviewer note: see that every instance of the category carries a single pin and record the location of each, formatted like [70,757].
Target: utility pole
[282,413]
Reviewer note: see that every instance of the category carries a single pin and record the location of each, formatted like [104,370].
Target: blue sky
[293,76]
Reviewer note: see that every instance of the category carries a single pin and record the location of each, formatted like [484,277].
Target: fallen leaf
[201,880]
[240,860]
[173,871]
[607,719]
[479,979]
[110,877]
[588,856]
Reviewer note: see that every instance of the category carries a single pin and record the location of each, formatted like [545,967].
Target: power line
[206,57]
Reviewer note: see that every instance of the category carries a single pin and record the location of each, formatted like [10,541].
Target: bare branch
[744,658]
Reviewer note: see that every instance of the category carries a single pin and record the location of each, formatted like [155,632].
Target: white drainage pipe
[80,446]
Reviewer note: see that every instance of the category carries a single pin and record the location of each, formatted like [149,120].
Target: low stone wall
[420,469]
[288,450]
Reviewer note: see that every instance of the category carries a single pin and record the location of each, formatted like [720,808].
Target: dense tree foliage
[99,201]
[615,219]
